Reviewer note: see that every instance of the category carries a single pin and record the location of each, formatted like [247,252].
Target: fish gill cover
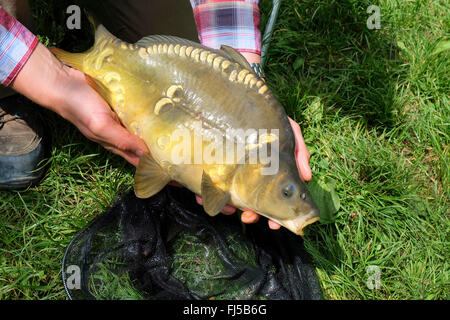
[166,247]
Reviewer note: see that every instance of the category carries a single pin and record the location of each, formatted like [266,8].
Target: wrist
[252,57]
[43,79]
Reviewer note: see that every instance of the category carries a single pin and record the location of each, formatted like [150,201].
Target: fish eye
[288,191]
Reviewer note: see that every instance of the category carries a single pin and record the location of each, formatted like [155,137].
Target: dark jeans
[130,20]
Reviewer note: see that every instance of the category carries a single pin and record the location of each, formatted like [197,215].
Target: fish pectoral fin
[150,177]
[214,198]
[236,56]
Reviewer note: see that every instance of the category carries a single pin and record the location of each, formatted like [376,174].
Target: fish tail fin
[74,60]
[102,33]
[92,20]
[99,30]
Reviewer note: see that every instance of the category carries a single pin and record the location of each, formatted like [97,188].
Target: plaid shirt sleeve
[233,23]
[16,45]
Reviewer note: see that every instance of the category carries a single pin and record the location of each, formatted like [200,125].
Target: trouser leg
[20,9]
[130,20]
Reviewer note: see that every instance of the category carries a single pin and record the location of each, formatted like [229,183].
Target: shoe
[23,145]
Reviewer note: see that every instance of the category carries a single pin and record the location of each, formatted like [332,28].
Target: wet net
[167,247]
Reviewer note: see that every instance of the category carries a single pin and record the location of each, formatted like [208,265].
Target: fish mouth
[298,224]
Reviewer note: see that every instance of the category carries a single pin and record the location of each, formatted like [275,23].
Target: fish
[210,123]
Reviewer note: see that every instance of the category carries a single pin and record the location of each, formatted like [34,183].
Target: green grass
[374,109]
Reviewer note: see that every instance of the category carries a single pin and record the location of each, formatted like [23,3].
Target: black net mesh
[167,247]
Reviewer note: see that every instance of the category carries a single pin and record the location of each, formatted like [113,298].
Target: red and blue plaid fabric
[16,45]
[233,23]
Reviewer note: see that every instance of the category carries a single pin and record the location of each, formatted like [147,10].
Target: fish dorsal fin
[150,177]
[157,39]
[226,52]
[102,33]
[236,56]
[214,198]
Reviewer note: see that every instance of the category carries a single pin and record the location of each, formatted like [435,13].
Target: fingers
[302,154]
[129,156]
[253,217]
[176,184]
[226,210]
[273,225]
[114,137]
[249,217]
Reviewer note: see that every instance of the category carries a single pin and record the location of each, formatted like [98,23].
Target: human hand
[95,119]
[302,154]
[66,91]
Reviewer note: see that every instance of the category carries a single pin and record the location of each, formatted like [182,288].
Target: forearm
[43,79]
[28,67]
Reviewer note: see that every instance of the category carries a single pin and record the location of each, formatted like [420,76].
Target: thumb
[303,166]
[133,143]
[119,140]
[302,154]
